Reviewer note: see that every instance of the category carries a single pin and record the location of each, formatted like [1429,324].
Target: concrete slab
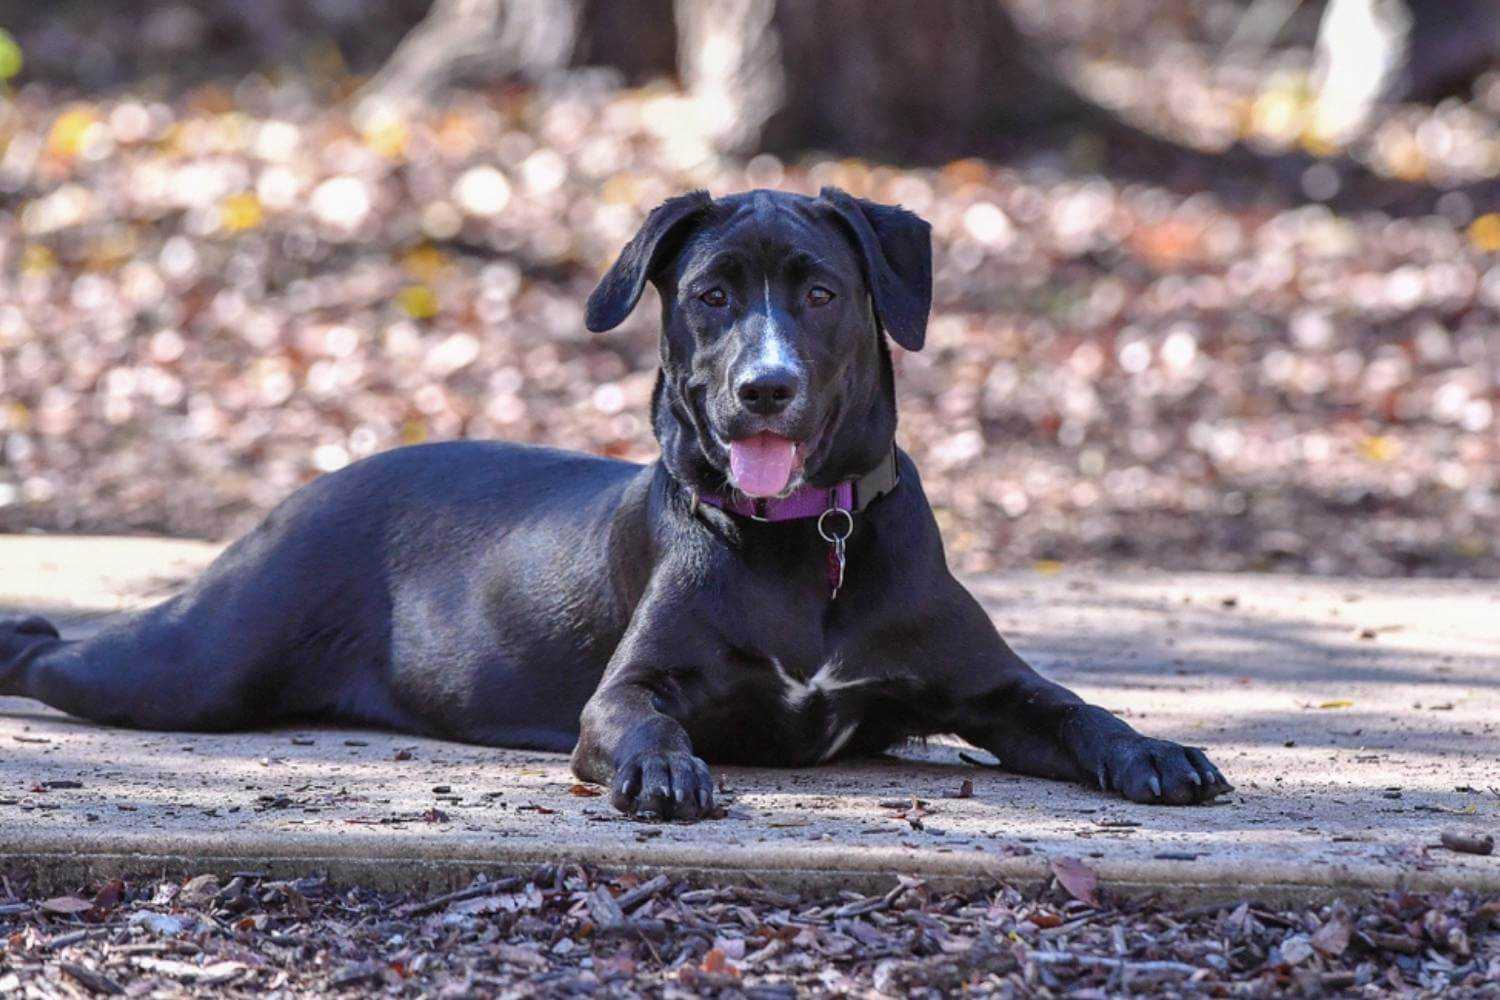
[1359,719]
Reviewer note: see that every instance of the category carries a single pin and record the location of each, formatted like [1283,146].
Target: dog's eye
[819,296]
[715,297]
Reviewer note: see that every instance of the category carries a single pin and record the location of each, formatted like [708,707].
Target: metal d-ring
[829,537]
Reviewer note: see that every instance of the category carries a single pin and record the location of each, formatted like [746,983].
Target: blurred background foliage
[1218,282]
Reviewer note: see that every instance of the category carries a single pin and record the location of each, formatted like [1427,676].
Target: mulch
[567,930]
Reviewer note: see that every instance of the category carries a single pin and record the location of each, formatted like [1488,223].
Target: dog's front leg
[1037,727]
[629,739]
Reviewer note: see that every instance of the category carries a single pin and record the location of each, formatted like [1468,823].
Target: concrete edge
[61,864]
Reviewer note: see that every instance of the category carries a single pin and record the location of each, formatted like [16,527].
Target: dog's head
[774,371]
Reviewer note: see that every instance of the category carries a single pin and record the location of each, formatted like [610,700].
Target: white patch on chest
[796,693]
[838,741]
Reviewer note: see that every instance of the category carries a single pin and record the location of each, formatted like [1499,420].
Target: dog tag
[835,534]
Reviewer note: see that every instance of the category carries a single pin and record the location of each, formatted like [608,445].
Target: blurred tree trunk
[636,38]
[900,78]
[905,78]
[1452,43]
[480,41]
[464,41]
[1372,51]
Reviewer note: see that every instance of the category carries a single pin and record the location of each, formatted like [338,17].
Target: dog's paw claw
[1164,773]
[671,785]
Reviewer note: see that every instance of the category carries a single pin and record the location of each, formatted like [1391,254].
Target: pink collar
[843,500]
[804,502]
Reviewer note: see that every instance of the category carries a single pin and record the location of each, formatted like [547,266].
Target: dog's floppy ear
[620,289]
[897,249]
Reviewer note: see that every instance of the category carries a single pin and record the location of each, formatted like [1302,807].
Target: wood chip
[1469,843]
[94,982]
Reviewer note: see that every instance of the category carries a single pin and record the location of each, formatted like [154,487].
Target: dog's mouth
[767,464]
[762,465]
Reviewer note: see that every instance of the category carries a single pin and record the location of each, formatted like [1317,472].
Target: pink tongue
[762,465]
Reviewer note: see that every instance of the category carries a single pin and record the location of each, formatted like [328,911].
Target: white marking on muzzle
[774,351]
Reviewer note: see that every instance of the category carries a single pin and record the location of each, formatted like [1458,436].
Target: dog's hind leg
[241,646]
[140,673]
[170,667]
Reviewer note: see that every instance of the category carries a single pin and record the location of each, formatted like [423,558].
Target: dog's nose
[767,391]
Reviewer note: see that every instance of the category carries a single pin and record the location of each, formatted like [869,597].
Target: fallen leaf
[518,955]
[240,211]
[1333,937]
[1484,233]
[297,903]
[1341,703]
[1296,949]
[502,902]
[1081,881]
[418,301]
[67,905]
[1380,448]
[615,966]
[160,924]
[584,791]
[110,894]
[198,891]
[208,975]
[715,963]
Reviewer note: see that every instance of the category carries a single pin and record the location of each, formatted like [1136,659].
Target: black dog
[772,591]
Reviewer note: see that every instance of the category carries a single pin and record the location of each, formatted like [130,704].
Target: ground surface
[241,854]
[1359,721]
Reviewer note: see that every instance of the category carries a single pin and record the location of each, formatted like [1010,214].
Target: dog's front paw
[1160,772]
[669,785]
